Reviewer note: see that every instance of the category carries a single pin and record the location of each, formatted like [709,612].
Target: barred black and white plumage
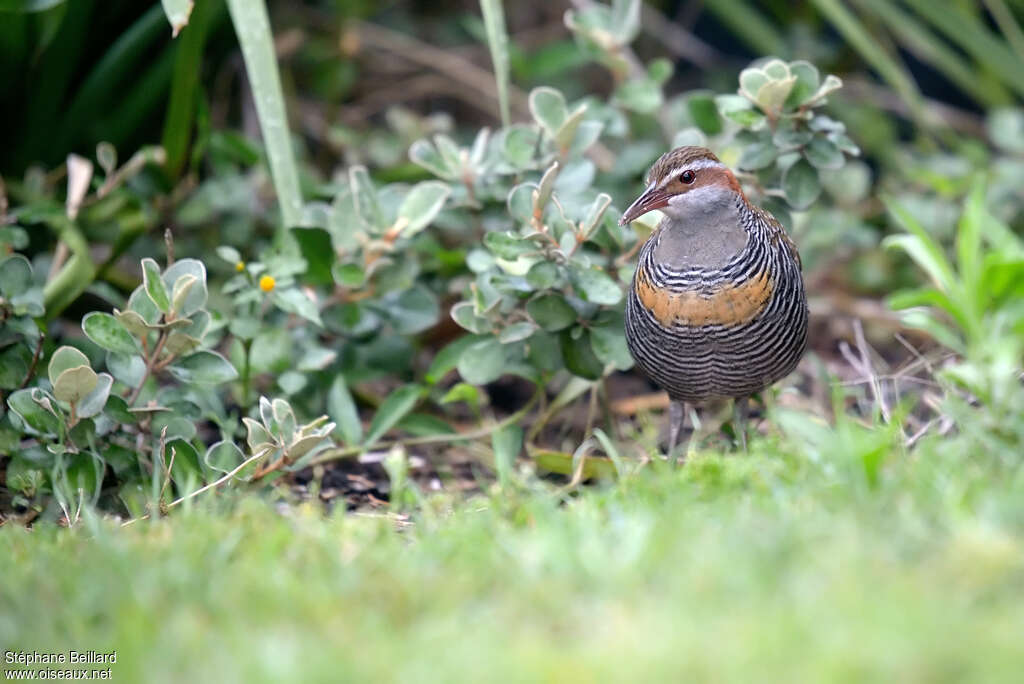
[717,308]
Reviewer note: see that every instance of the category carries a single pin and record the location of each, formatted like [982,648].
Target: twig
[35,361]
[199,491]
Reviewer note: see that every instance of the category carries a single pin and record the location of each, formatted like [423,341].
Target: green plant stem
[253,29]
[74,277]
[497,41]
[246,374]
[344,452]
[150,365]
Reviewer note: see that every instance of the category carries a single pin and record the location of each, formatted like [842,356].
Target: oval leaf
[64,358]
[204,368]
[107,332]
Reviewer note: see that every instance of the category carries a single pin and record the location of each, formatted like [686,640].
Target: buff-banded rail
[717,308]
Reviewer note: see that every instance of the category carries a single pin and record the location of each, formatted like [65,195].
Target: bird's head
[682,179]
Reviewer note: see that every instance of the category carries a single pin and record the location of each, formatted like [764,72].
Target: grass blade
[253,29]
[747,22]
[497,41]
[858,36]
[931,49]
[181,107]
[975,39]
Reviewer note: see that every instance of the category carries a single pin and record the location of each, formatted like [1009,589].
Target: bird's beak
[652,198]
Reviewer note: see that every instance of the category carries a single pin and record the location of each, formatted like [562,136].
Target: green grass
[769,567]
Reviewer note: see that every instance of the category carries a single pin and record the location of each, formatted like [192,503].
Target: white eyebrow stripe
[696,165]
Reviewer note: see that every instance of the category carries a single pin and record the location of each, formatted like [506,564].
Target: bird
[717,308]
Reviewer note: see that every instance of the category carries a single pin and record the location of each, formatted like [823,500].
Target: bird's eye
[687,176]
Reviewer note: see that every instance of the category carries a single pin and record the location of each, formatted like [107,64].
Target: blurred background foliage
[422,175]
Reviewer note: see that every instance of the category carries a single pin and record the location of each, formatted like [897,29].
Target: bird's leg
[741,410]
[676,423]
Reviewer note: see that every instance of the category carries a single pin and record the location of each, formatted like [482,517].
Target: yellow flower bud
[240,266]
[267,283]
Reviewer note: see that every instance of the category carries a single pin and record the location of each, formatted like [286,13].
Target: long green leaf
[107,79]
[860,38]
[497,41]
[253,29]
[929,48]
[746,21]
[392,409]
[181,107]
[967,31]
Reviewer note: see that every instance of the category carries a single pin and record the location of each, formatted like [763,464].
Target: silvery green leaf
[548,108]
[551,312]
[773,94]
[178,12]
[223,456]
[257,437]
[544,189]
[482,362]
[179,343]
[516,332]
[195,297]
[74,383]
[776,70]
[128,370]
[758,155]
[425,154]
[824,154]
[594,285]
[140,303]
[284,417]
[64,358]
[421,205]
[478,152]
[520,202]
[808,80]
[92,403]
[15,276]
[587,133]
[295,301]
[107,332]
[182,287]
[751,81]
[204,368]
[519,144]
[154,285]
[641,95]
[625,20]
[567,131]
[831,83]
[229,254]
[364,197]
[594,213]
[801,184]
[542,275]
[34,408]
[462,313]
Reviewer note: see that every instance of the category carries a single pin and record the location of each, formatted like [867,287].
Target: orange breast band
[728,304]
